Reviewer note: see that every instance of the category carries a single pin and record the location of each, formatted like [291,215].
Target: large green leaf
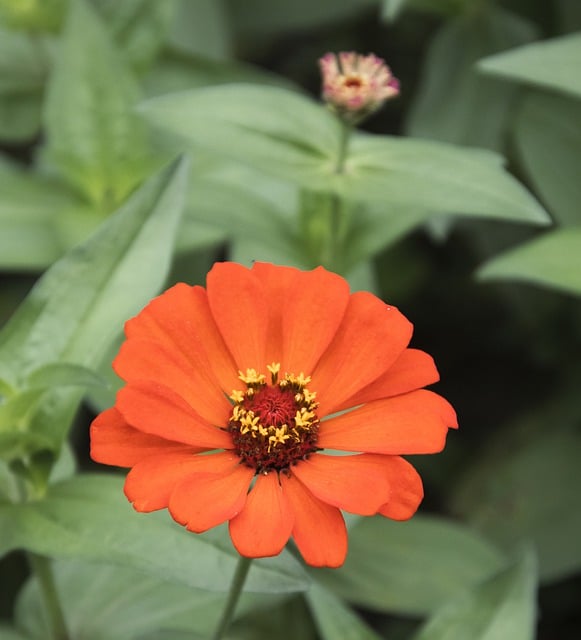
[104,602]
[502,607]
[286,135]
[525,486]
[552,64]
[88,517]
[553,260]
[29,209]
[93,135]
[335,620]
[403,174]
[410,567]
[548,138]
[273,129]
[79,306]
[456,104]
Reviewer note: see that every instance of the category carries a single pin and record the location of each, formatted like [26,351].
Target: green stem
[42,568]
[343,147]
[339,222]
[233,596]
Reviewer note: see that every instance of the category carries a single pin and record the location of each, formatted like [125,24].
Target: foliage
[141,141]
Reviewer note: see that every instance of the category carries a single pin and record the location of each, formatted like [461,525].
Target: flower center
[353,82]
[273,425]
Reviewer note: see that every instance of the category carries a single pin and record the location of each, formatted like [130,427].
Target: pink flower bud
[354,86]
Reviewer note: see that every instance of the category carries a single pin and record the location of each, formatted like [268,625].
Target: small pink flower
[354,85]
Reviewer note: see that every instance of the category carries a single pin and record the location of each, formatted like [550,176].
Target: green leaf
[15,411]
[334,619]
[445,7]
[29,208]
[374,228]
[553,260]
[552,64]
[139,27]
[79,306]
[227,211]
[93,135]
[33,15]
[525,486]
[548,138]
[23,67]
[456,104]
[9,633]
[410,567]
[288,136]
[103,602]
[272,129]
[88,517]
[202,28]
[288,620]
[176,71]
[388,171]
[20,116]
[63,374]
[391,9]
[502,607]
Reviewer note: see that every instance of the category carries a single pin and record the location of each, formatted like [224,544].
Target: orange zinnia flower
[235,392]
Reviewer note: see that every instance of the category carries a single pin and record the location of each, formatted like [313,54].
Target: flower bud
[354,86]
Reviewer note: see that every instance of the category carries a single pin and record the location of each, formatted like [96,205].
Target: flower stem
[233,596]
[42,569]
[339,221]
[343,147]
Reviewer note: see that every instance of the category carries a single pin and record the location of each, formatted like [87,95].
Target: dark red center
[275,408]
[273,405]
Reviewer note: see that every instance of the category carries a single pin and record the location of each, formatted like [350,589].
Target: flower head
[355,86]
[238,395]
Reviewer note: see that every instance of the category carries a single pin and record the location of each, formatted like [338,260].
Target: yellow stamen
[252,377]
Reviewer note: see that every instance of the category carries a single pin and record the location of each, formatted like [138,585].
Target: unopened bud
[354,86]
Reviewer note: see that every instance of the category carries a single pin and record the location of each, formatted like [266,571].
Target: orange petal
[305,310]
[371,337]
[358,483]
[314,310]
[180,319]
[406,489]
[205,500]
[155,409]
[144,360]
[277,281]
[319,529]
[413,370]
[114,442]
[416,422]
[264,526]
[151,481]
[240,309]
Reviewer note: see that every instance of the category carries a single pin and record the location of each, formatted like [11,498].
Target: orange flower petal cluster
[239,396]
